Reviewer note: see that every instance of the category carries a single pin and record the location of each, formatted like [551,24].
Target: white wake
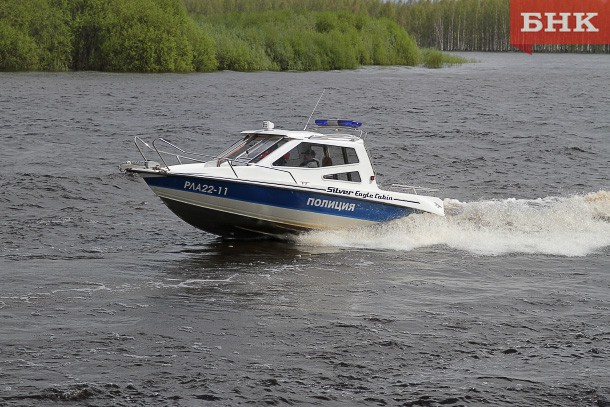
[572,226]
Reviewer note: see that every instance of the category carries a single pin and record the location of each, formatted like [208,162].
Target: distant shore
[166,36]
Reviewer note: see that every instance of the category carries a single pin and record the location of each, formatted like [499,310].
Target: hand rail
[338,134]
[195,157]
[135,141]
[289,173]
[160,156]
[230,162]
[276,169]
[179,157]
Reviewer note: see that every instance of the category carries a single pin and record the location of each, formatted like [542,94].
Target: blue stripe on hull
[284,198]
[229,224]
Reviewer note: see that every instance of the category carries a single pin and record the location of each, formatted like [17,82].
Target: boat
[276,182]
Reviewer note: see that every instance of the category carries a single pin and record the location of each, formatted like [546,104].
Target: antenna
[314,109]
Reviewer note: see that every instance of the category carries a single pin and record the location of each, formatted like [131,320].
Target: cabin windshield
[250,147]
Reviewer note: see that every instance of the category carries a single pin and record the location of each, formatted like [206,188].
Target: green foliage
[234,53]
[34,35]
[450,25]
[293,40]
[243,35]
[203,48]
[139,35]
[442,24]
[433,58]
[110,35]
[18,51]
[458,25]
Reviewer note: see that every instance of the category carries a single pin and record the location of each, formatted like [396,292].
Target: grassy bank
[433,58]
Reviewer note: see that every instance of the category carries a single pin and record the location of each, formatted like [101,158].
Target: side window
[350,155]
[305,155]
[250,147]
[270,150]
[335,155]
[312,155]
[352,176]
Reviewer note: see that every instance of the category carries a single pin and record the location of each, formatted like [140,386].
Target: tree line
[183,36]
[207,35]
[305,41]
[447,25]
[103,35]
[468,25]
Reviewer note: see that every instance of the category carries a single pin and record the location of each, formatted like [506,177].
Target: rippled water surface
[108,299]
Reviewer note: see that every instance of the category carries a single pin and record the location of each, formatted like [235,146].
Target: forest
[180,36]
[446,25]
[248,35]
[102,35]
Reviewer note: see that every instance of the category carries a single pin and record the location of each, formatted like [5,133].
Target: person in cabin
[309,159]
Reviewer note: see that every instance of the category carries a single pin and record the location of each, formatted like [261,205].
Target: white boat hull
[234,208]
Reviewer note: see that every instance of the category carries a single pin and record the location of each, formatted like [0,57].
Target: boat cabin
[308,156]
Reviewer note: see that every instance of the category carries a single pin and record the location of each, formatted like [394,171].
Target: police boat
[276,182]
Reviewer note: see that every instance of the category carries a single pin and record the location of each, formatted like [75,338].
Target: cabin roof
[305,135]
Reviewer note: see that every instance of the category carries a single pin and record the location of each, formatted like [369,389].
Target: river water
[108,299]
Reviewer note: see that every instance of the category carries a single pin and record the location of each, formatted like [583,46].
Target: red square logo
[559,22]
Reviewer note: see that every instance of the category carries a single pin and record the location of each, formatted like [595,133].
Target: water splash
[572,226]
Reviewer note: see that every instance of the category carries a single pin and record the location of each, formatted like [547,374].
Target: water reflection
[269,279]
[220,259]
[222,252]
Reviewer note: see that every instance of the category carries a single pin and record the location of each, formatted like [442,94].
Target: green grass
[433,58]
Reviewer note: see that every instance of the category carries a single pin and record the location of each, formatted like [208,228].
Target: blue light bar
[338,123]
